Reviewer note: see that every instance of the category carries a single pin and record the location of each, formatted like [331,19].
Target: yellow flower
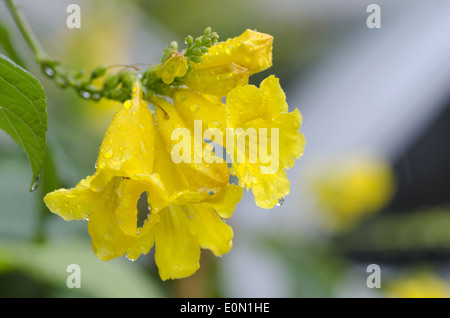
[164,154]
[419,285]
[123,173]
[349,190]
[198,198]
[230,63]
[184,214]
[260,163]
[224,71]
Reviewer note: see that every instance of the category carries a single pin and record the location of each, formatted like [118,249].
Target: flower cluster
[200,90]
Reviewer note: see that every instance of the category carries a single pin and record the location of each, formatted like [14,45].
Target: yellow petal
[229,64]
[268,189]
[128,146]
[192,106]
[144,241]
[177,251]
[275,143]
[247,103]
[72,204]
[224,201]
[217,80]
[274,95]
[244,104]
[251,50]
[127,196]
[282,138]
[194,171]
[212,233]
[292,142]
[108,239]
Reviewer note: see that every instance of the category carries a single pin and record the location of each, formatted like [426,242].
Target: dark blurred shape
[423,170]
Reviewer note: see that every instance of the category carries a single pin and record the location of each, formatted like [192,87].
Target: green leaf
[48,263]
[23,112]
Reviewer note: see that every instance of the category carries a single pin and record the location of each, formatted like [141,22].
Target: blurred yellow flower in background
[422,284]
[351,188]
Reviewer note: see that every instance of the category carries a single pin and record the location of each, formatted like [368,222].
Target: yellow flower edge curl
[230,63]
[264,109]
[181,221]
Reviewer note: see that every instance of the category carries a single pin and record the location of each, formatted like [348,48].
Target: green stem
[121,90]
[26,32]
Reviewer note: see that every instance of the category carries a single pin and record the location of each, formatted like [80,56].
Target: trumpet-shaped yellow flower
[184,214]
[164,155]
[199,197]
[229,64]
[265,111]
[123,172]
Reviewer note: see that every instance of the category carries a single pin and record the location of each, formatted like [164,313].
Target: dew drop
[280,201]
[194,108]
[109,154]
[85,94]
[49,72]
[127,104]
[35,184]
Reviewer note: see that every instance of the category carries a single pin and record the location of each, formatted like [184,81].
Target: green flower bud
[111,81]
[98,71]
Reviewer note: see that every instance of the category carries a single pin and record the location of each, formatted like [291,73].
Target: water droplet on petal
[109,154]
[280,201]
[127,104]
[194,108]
